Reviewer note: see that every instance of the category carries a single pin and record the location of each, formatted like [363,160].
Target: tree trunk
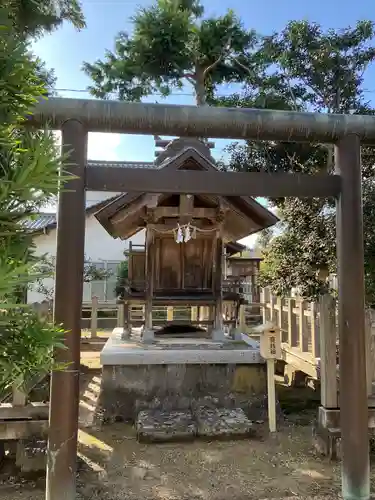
[200,89]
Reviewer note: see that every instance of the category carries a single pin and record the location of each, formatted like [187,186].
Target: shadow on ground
[114,466]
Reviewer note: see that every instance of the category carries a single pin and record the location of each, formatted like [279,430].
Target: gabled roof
[45,221]
[184,155]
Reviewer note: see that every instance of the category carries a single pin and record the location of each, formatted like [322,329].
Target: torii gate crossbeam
[78,117]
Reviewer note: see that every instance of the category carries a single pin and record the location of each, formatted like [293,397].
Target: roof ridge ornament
[177,146]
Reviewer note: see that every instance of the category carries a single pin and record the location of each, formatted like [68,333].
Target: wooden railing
[236,285]
[310,340]
[298,320]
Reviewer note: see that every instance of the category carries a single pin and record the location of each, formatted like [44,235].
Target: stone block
[327,442]
[31,455]
[222,423]
[126,390]
[163,426]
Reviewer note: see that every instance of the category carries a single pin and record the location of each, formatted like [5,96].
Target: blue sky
[66,49]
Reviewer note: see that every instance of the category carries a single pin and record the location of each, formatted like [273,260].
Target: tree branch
[243,66]
[219,59]
[292,95]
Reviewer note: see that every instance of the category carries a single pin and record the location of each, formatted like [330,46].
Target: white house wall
[99,246]
[94,197]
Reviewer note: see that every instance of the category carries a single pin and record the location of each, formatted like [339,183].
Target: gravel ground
[117,467]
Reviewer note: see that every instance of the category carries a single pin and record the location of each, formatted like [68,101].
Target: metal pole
[351,323]
[64,400]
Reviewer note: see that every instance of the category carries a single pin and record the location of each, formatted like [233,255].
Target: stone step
[163,426]
[207,423]
[221,423]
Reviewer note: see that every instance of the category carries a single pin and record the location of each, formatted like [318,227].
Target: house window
[103,289]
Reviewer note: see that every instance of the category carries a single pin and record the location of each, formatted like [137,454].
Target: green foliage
[309,69]
[29,170]
[122,278]
[31,18]
[369,238]
[173,43]
[27,344]
[45,268]
[264,238]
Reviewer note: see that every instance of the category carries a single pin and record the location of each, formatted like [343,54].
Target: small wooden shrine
[186,237]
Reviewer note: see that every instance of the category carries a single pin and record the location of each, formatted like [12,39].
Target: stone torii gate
[75,118]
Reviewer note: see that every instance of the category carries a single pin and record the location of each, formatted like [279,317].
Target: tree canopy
[310,70]
[172,44]
[303,67]
[33,18]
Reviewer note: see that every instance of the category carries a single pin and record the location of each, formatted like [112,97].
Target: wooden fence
[309,344]
[310,340]
[99,316]
[20,420]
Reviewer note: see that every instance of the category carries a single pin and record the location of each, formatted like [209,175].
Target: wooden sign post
[270,350]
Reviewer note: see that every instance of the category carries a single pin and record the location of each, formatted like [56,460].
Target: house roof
[233,247]
[247,254]
[44,221]
[195,155]
[39,222]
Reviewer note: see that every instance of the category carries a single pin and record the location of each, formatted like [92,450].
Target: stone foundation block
[162,426]
[127,390]
[221,423]
[327,442]
[31,455]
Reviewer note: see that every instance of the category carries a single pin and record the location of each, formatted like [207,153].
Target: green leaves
[122,278]
[34,17]
[173,44]
[329,64]
[29,178]
[306,68]
[26,347]
[45,268]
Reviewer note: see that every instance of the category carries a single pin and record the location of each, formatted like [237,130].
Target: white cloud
[101,146]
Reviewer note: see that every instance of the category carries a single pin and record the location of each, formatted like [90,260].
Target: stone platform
[206,423]
[132,351]
[181,374]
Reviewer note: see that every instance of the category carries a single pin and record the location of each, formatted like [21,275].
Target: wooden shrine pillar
[64,399]
[148,332]
[351,323]
[218,329]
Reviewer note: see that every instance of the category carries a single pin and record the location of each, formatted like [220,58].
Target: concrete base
[181,374]
[237,334]
[329,418]
[121,332]
[31,455]
[327,442]
[327,432]
[134,351]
